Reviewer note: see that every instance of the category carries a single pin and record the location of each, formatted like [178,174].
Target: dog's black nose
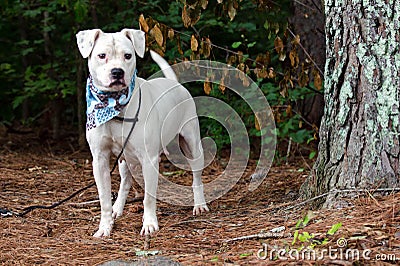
[117,73]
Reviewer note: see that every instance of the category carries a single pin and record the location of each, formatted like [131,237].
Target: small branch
[257,236]
[341,191]
[90,202]
[288,150]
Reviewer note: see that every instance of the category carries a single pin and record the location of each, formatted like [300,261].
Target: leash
[8,213]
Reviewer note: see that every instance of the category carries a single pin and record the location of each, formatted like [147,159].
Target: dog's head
[111,56]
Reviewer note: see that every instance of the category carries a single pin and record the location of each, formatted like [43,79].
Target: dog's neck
[102,106]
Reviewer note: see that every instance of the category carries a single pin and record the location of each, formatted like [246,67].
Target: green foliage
[40,58]
[334,229]
[310,240]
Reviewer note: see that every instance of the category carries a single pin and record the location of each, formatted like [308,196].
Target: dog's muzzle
[117,75]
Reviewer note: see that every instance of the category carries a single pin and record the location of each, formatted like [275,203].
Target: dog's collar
[103,106]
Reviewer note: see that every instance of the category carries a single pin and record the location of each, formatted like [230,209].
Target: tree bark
[359,133]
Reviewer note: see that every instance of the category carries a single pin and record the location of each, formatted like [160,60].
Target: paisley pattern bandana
[102,106]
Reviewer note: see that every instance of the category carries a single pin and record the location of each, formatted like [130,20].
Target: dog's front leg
[150,174]
[101,172]
[126,183]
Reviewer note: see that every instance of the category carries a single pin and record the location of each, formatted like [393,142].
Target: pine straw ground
[34,172]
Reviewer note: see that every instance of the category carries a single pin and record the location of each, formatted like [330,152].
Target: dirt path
[32,172]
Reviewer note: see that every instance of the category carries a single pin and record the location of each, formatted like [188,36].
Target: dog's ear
[138,40]
[85,40]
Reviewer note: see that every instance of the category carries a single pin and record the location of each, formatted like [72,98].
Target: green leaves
[334,229]
[310,240]
[236,44]
[81,8]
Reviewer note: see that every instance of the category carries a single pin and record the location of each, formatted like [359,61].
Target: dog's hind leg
[191,145]
[126,183]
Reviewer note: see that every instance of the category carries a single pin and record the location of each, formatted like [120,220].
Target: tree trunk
[24,62]
[359,133]
[80,94]
[93,12]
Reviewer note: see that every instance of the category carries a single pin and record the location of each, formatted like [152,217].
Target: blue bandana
[102,106]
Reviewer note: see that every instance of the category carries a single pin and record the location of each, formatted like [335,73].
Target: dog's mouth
[117,83]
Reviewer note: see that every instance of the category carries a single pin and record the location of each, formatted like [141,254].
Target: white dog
[165,109]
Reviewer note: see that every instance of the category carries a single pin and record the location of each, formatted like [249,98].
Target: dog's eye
[128,56]
[102,56]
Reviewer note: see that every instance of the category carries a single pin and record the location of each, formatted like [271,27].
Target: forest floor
[40,172]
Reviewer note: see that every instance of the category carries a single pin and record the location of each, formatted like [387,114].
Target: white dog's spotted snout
[117,77]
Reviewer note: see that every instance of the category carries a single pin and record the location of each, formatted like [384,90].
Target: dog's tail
[165,67]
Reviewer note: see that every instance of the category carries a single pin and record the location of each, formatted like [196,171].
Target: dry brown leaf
[296,40]
[194,44]
[243,69]
[261,73]
[291,83]
[206,47]
[231,60]
[317,80]
[204,4]
[278,116]
[158,51]
[271,73]
[246,82]
[178,41]
[231,11]
[185,17]
[191,14]
[186,63]
[171,34]
[278,43]
[263,59]
[284,91]
[157,34]
[256,123]
[221,85]
[289,110]
[143,24]
[207,87]
[294,58]
[303,79]
[282,56]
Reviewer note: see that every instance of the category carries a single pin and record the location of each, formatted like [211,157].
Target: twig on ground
[341,191]
[90,202]
[258,236]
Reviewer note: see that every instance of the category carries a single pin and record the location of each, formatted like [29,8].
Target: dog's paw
[199,209]
[150,225]
[117,210]
[104,230]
